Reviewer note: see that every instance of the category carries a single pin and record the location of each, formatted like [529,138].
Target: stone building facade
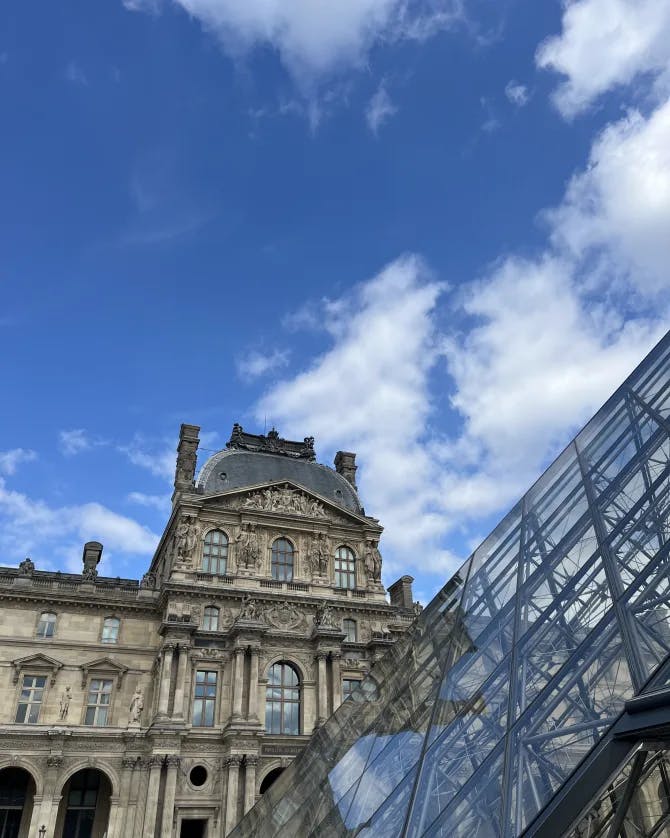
[166,706]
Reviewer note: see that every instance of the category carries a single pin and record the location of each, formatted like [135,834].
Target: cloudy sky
[434,232]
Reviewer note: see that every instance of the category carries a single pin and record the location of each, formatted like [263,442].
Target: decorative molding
[102,666]
[285,499]
[284,616]
[39,663]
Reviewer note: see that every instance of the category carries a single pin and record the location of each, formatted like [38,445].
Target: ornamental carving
[285,499]
[185,539]
[318,555]
[373,562]
[284,616]
[248,551]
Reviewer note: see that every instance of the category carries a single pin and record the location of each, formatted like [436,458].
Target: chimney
[401,593]
[345,464]
[91,557]
[186,457]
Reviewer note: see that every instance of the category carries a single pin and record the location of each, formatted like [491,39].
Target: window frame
[114,641]
[346,573]
[215,611]
[285,570]
[346,680]
[283,701]
[346,623]
[205,699]
[98,706]
[54,623]
[219,557]
[32,703]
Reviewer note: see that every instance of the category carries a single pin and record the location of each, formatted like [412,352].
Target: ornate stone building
[165,707]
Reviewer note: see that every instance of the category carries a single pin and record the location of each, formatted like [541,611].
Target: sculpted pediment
[36,663]
[103,666]
[285,498]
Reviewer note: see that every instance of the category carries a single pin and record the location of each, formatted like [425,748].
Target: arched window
[349,628]
[215,552]
[345,568]
[282,560]
[210,618]
[47,624]
[282,700]
[110,630]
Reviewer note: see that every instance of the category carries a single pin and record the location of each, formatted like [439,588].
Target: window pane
[282,560]
[282,700]
[215,552]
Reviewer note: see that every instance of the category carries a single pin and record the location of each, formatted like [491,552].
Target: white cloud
[380,109]
[256,364]
[10,460]
[314,40]
[620,204]
[159,502]
[158,461]
[605,44]
[34,527]
[74,441]
[75,75]
[517,93]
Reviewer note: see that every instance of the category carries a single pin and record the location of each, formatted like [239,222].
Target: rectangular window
[204,701]
[349,686]
[47,625]
[98,702]
[110,630]
[30,700]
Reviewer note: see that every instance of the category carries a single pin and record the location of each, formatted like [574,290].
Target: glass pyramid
[514,676]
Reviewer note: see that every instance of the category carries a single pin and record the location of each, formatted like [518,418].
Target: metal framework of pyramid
[531,695]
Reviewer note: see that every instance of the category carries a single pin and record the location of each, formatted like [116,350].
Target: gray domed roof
[235,469]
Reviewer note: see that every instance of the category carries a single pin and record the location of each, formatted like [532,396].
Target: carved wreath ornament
[285,500]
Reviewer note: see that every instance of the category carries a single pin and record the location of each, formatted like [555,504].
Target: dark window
[349,686]
[349,628]
[198,775]
[47,625]
[269,779]
[215,552]
[81,802]
[282,560]
[345,568]
[204,702]
[282,700]
[14,784]
[30,700]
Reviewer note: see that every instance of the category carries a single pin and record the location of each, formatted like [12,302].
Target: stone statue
[136,706]
[318,555]
[324,616]
[64,704]
[186,461]
[148,581]
[373,562]
[186,538]
[248,551]
[249,609]
[418,608]
[27,567]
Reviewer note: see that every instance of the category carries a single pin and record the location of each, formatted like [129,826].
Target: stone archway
[85,804]
[17,792]
[269,779]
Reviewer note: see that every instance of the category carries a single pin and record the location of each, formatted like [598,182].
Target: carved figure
[89,574]
[148,581]
[418,608]
[249,609]
[186,466]
[136,706]
[64,704]
[373,562]
[248,551]
[285,499]
[318,555]
[324,616]
[186,538]
[27,567]
[284,616]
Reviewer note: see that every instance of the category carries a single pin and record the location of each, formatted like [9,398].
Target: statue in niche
[64,703]
[324,617]
[317,556]
[136,706]
[373,562]
[186,538]
[248,550]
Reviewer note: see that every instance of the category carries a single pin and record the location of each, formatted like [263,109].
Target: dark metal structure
[532,695]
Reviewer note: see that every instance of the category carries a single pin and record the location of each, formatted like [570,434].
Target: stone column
[323,688]
[238,683]
[45,808]
[178,709]
[166,672]
[168,798]
[231,792]
[253,685]
[117,826]
[251,761]
[113,825]
[151,804]
[335,659]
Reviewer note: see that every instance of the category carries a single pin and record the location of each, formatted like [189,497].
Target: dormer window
[282,560]
[215,553]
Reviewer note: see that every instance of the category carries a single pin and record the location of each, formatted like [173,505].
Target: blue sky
[435,232]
